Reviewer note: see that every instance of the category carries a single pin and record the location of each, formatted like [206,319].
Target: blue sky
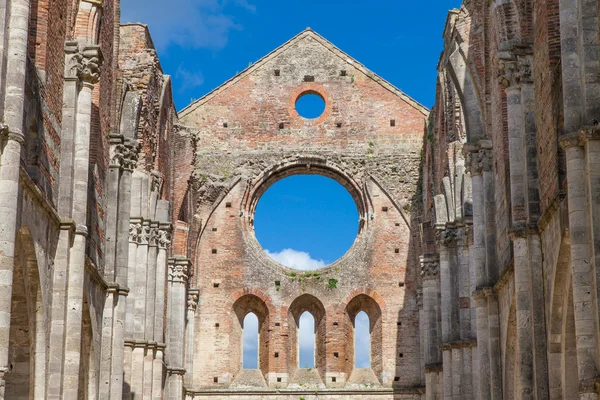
[306,221]
[202,43]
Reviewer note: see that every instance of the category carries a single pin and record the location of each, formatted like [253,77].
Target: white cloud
[188,79]
[296,259]
[187,23]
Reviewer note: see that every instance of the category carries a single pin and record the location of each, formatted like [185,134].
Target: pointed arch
[27,341]
[510,353]
[562,347]
[468,94]
[242,307]
[302,304]
[368,305]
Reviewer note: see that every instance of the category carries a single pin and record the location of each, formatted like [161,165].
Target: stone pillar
[89,74]
[591,139]
[178,277]
[192,304]
[11,141]
[510,79]
[446,238]
[483,349]
[135,230]
[151,280]
[139,285]
[583,292]
[129,155]
[476,160]
[430,276]
[463,234]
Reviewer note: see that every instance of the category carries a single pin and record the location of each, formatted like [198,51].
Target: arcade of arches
[129,263]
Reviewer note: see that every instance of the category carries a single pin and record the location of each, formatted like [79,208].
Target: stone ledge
[324,392]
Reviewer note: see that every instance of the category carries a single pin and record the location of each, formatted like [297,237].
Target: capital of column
[154,234]
[91,60]
[125,154]
[463,234]
[164,236]
[179,270]
[135,230]
[570,140]
[192,302]
[514,66]
[446,236]
[144,232]
[430,266]
[83,64]
[478,157]
[7,134]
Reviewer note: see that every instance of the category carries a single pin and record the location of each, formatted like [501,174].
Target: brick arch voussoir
[508,16]
[369,292]
[266,299]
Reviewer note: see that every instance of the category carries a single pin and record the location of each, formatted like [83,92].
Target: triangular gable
[325,43]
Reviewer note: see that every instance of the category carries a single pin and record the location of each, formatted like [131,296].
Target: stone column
[11,141]
[151,280]
[129,153]
[583,292]
[164,241]
[89,74]
[135,230]
[192,304]
[476,161]
[430,276]
[178,277]
[449,306]
[510,78]
[591,139]
[463,234]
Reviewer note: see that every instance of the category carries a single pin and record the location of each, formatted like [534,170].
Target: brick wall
[250,125]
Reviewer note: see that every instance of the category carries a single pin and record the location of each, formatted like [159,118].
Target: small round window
[310,105]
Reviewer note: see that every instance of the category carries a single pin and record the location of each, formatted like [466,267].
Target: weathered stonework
[128,259]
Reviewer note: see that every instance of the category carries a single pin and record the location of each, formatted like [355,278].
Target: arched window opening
[363,347]
[362,341]
[249,339]
[250,342]
[306,341]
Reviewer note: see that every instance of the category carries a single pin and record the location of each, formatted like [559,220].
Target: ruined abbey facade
[128,259]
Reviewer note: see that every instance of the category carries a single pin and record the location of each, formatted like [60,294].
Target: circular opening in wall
[310,105]
[306,222]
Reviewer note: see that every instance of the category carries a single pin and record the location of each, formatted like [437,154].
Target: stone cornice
[30,187]
[95,275]
[437,367]
[458,344]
